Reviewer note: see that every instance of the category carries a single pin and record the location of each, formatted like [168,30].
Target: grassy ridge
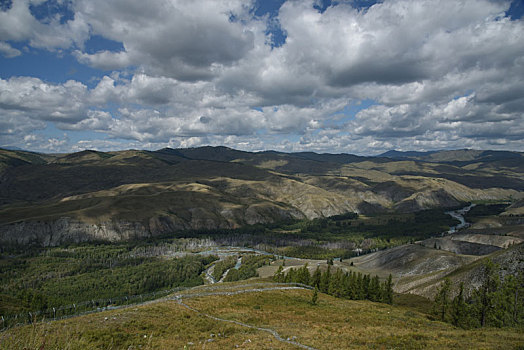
[331,324]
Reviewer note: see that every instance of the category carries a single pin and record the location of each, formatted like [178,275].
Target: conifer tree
[324,280]
[387,295]
[442,300]
[459,309]
[291,276]
[374,289]
[335,287]
[485,296]
[360,292]
[314,297]
[279,275]
[518,300]
[349,285]
[365,286]
[303,275]
[315,278]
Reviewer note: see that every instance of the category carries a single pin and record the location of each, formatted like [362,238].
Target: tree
[324,280]
[314,297]
[387,295]
[279,275]
[303,275]
[335,286]
[485,296]
[365,286]
[441,305]
[459,309]
[374,289]
[315,278]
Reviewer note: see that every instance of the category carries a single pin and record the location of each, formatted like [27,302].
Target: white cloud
[8,51]
[180,39]
[18,24]
[440,73]
[105,60]
[43,101]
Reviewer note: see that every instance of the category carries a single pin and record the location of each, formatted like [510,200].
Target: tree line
[496,303]
[340,284]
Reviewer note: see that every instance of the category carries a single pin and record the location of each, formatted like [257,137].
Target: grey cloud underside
[396,73]
[441,74]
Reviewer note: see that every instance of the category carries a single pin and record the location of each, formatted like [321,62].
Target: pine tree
[459,309]
[485,296]
[349,285]
[303,275]
[518,300]
[365,286]
[314,297]
[291,276]
[387,295]
[374,293]
[335,287]
[315,278]
[279,275]
[360,292]
[324,280]
[441,305]
[507,301]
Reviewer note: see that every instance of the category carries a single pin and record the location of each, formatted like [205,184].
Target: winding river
[459,215]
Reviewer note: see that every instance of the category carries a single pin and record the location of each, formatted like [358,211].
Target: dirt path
[274,333]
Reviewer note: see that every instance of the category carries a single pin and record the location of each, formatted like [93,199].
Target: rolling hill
[49,199]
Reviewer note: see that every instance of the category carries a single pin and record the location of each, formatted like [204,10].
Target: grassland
[330,324]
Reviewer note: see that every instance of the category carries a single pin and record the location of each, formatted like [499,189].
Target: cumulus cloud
[17,23]
[440,74]
[185,40]
[43,101]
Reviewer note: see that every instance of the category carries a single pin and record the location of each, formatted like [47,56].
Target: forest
[55,277]
[496,303]
[340,284]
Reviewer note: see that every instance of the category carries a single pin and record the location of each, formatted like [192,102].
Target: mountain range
[49,199]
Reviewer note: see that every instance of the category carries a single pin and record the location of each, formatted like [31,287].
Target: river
[459,215]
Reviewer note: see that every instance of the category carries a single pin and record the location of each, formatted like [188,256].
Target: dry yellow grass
[331,324]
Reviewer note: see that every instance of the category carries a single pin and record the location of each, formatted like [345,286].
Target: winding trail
[178,299]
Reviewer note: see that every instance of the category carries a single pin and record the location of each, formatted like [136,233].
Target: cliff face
[66,230]
[70,230]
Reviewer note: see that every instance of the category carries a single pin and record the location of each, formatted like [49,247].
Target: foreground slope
[256,316]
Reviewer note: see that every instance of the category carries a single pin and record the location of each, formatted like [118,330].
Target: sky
[359,77]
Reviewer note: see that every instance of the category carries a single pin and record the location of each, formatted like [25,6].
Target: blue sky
[329,76]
